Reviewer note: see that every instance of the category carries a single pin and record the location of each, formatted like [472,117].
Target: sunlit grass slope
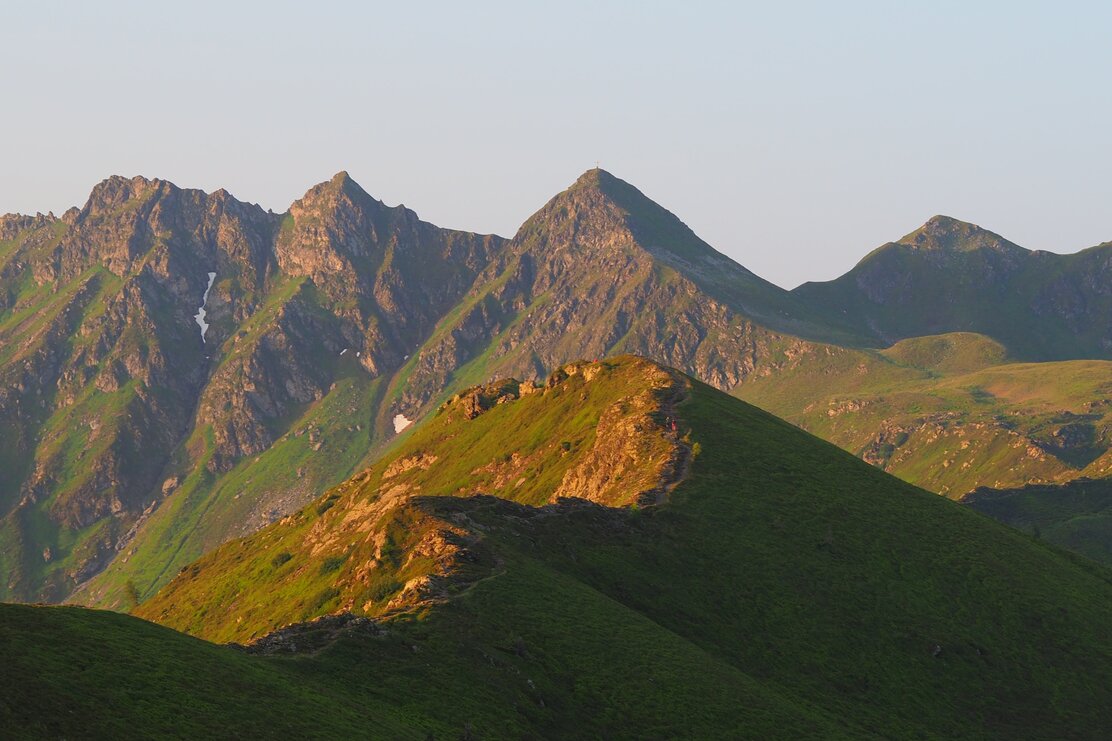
[783,589]
[950,413]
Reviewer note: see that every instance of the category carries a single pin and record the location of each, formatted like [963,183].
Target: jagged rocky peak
[947,234]
[597,208]
[597,187]
[12,224]
[335,196]
[611,205]
[117,190]
[334,220]
[596,177]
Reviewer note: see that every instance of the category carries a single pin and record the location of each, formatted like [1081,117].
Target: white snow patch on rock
[400,423]
[199,317]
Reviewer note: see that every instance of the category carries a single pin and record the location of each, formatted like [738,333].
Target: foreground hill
[950,413]
[735,564]
[951,276]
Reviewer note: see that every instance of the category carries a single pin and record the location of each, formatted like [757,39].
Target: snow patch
[199,317]
[400,423]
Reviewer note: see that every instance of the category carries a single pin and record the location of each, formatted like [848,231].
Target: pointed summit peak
[344,182]
[601,213]
[328,194]
[593,178]
[944,222]
[601,199]
[947,234]
[342,179]
[604,205]
[612,188]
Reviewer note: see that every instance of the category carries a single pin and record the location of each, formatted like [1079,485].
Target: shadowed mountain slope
[950,276]
[1076,515]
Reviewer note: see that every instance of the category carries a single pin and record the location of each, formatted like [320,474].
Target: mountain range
[182,368]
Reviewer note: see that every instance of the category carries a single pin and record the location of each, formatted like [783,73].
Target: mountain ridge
[136,447]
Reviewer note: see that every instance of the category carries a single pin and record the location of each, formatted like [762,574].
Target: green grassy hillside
[951,412]
[1076,515]
[783,588]
[473,670]
[77,673]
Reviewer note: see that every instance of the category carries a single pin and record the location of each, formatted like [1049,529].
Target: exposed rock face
[613,470]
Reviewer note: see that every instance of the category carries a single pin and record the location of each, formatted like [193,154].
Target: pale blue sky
[792,136]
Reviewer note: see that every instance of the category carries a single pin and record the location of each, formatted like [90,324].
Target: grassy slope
[1076,515]
[77,673]
[959,288]
[970,418]
[519,451]
[801,574]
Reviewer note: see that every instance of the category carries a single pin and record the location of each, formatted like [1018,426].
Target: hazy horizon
[794,140]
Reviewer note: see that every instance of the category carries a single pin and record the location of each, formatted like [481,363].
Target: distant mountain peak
[116,189]
[654,227]
[598,207]
[340,183]
[605,221]
[947,234]
[593,178]
[340,201]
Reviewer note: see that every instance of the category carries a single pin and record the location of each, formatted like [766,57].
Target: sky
[792,136]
